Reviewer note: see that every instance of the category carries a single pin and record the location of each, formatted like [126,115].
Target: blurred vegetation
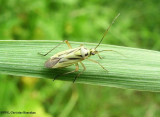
[84,21]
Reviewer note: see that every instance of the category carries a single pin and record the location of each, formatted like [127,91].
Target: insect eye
[92,53]
[86,54]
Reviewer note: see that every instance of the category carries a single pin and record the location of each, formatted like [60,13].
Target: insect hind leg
[76,69]
[68,44]
[51,49]
[56,47]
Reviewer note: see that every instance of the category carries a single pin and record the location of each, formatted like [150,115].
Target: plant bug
[75,55]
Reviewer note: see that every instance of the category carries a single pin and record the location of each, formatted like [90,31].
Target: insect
[75,56]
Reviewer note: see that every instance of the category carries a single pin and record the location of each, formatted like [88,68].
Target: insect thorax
[85,52]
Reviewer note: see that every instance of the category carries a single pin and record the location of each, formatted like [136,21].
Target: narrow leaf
[138,69]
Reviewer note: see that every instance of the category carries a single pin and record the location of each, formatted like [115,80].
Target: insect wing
[64,58]
[52,62]
[70,58]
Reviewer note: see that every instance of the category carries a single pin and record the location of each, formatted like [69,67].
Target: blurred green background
[83,21]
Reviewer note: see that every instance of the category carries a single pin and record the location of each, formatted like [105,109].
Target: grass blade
[140,70]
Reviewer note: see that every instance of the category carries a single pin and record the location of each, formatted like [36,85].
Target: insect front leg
[84,68]
[97,63]
[76,69]
[99,56]
[112,51]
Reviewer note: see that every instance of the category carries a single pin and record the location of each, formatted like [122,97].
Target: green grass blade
[139,70]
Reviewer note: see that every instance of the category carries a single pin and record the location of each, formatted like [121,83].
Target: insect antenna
[107,30]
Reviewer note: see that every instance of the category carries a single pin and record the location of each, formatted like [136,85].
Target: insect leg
[76,69]
[51,49]
[99,56]
[84,68]
[97,63]
[113,51]
[81,45]
[66,41]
